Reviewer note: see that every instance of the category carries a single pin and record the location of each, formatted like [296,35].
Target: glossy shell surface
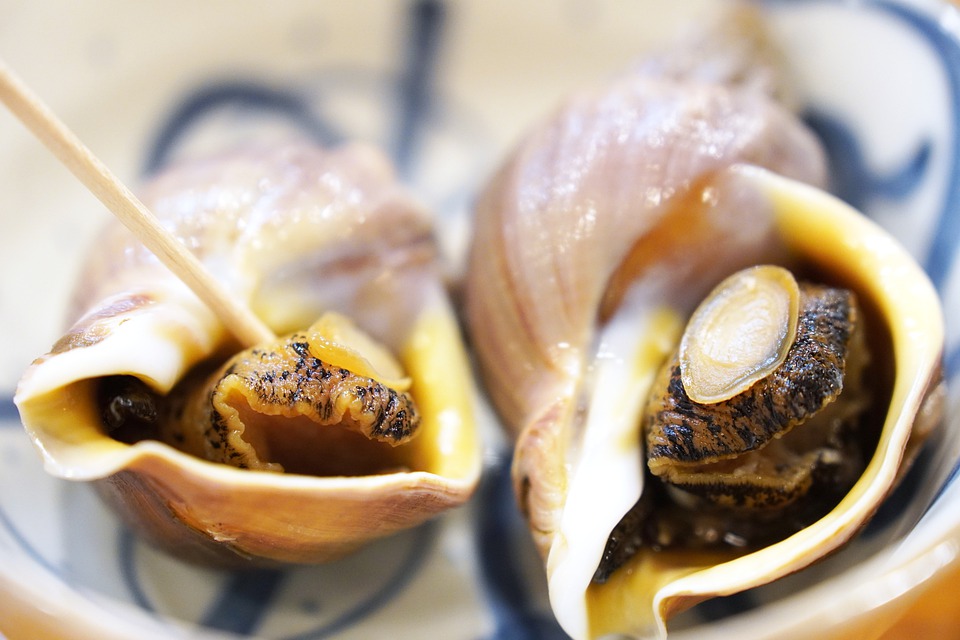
[296,231]
[595,240]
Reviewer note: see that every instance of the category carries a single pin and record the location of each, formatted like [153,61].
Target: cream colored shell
[294,232]
[596,239]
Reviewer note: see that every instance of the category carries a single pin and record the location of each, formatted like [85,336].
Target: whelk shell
[595,241]
[300,234]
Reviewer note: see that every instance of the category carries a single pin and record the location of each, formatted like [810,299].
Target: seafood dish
[591,342]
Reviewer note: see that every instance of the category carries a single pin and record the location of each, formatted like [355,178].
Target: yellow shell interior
[833,238]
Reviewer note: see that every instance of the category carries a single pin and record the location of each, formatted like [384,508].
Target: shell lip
[111,460]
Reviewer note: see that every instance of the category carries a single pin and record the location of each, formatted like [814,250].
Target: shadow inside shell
[895,518]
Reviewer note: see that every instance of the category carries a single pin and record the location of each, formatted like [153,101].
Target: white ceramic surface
[445,87]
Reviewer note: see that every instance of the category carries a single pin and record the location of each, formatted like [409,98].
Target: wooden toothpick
[35,115]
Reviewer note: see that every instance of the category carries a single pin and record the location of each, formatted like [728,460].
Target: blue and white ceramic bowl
[445,88]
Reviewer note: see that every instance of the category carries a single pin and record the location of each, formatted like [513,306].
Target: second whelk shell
[594,242]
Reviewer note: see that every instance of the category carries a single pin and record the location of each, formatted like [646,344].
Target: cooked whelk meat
[365,401]
[764,463]
[721,450]
[288,406]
